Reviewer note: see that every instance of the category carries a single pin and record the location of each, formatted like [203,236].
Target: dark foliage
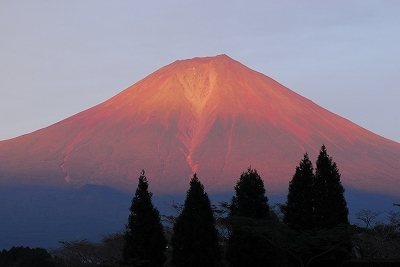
[292,248]
[246,248]
[299,208]
[250,199]
[330,208]
[144,237]
[299,211]
[317,211]
[330,205]
[195,237]
[26,257]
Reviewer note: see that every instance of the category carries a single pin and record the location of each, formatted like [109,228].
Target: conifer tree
[299,211]
[250,199]
[330,209]
[316,215]
[299,208]
[145,242]
[330,205]
[245,247]
[195,238]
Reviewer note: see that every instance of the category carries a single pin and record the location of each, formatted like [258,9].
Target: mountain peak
[221,58]
[209,115]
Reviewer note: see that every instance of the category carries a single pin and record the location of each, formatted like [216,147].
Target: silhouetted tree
[83,253]
[330,205]
[317,212]
[293,248]
[26,257]
[367,217]
[195,238]
[379,239]
[245,248]
[299,208]
[79,253]
[299,212]
[144,237]
[250,199]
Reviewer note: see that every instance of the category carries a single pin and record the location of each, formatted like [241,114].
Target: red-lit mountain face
[213,116]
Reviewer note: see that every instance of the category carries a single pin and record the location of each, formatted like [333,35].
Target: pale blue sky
[60,57]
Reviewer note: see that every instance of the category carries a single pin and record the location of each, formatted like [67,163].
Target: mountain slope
[213,116]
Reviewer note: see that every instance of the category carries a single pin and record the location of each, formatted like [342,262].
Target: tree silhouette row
[314,231]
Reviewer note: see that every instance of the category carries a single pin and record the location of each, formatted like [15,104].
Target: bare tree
[78,253]
[367,217]
[82,253]
[382,240]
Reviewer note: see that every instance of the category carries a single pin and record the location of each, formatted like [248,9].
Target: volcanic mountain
[213,116]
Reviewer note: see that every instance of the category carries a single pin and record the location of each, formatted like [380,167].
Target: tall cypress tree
[330,209]
[145,242]
[195,238]
[299,208]
[330,205]
[299,211]
[246,248]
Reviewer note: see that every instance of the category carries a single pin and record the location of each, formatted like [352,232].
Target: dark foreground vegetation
[310,230]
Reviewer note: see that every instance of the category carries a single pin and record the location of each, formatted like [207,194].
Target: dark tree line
[311,230]
[26,257]
[315,229]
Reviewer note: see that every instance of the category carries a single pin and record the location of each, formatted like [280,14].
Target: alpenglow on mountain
[213,116]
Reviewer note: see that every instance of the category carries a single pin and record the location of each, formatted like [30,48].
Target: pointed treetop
[196,187]
[144,237]
[330,203]
[250,199]
[195,238]
[298,211]
[143,183]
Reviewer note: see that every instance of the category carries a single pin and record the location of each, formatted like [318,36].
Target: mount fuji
[213,116]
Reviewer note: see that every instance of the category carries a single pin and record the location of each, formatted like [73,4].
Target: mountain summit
[213,116]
